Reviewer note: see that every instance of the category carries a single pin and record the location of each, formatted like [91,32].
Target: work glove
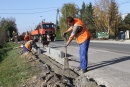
[64,34]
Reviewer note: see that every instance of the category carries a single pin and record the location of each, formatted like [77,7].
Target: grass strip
[14,70]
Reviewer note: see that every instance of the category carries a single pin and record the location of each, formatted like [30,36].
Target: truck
[45,32]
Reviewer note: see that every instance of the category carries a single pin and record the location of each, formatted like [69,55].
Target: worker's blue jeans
[24,49]
[83,51]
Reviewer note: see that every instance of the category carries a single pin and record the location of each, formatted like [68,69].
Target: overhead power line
[30,9]
[31,12]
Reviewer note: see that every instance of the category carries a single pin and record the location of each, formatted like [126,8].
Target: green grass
[5,48]
[14,70]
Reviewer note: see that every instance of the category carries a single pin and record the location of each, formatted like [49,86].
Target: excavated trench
[55,76]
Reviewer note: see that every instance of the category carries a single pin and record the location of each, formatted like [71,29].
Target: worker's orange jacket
[84,34]
[28,45]
[27,37]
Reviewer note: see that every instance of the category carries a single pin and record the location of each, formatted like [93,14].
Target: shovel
[66,61]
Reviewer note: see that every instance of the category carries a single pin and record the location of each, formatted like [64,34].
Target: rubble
[51,74]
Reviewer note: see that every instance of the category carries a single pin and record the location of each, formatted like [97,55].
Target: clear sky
[28,13]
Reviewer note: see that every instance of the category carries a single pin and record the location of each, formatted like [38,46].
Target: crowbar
[66,60]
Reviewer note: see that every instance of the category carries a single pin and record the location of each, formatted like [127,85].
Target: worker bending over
[82,35]
[28,46]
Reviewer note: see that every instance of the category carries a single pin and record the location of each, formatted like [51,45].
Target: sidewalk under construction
[75,80]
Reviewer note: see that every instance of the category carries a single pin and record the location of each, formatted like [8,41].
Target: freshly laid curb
[55,54]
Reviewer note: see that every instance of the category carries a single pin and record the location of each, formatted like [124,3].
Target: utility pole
[57,18]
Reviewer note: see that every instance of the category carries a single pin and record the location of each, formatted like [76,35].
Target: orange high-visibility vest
[30,37]
[84,34]
[27,37]
[28,45]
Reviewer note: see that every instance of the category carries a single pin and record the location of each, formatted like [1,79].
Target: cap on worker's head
[70,19]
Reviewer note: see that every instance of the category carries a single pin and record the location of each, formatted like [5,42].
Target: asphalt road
[113,47]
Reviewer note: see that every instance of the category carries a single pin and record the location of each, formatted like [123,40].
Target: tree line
[7,26]
[104,16]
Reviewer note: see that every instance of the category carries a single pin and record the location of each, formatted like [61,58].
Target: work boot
[84,70]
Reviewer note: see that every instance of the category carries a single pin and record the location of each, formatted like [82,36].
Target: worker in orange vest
[27,37]
[82,35]
[28,46]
